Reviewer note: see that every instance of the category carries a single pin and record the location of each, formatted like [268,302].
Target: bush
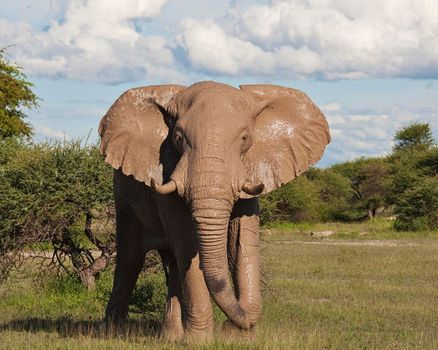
[414,136]
[407,168]
[417,207]
[297,201]
[149,295]
[319,195]
[58,193]
[335,193]
[16,95]
[369,185]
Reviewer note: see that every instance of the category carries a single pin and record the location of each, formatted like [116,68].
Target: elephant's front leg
[244,253]
[172,328]
[247,267]
[198,311]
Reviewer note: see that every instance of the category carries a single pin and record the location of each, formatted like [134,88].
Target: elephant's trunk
[212,227]
[211,204]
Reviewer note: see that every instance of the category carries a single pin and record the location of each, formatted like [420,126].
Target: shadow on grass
[68,326]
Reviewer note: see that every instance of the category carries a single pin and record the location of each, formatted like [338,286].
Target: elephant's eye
[178,140]
[245,142]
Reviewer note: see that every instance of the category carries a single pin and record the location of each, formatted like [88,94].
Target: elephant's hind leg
[172,328]
[129,262]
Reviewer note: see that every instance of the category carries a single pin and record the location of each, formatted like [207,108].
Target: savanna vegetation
[401,186]
[350,292]
[15,94]
[372,284]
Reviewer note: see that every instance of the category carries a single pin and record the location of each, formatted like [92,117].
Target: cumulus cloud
[170,40]
[356,135]
[94,40]
[331,107]
[324,39]
[210,48]
[43,132]
[329,39]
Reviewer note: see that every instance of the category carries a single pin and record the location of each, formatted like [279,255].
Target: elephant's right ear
[135,133]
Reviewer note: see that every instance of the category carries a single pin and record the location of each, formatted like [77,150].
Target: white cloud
[208,47]
[42,132]
[329,39]
[358,117]
[94,40]
[156,41]
[367,134]
[335,119]
[331,107]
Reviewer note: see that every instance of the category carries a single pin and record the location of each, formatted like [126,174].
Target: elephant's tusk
[253,190]
[163,189]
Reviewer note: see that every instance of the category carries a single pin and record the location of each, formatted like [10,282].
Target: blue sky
[371,67]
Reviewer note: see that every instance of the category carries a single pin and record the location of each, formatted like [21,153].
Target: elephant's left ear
[290,135]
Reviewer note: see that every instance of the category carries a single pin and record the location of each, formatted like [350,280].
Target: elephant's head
[213,144]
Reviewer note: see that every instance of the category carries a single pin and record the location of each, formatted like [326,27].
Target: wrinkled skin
[213,148]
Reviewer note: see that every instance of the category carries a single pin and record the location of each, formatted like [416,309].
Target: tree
[412,188]
[373,185]
[416,135]
[417,208]
[413,178]
[297,201]
[335,193]
[15,95]
[369,177]
[58,196]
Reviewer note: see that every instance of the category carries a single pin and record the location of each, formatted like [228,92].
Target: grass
[379,229]
[316,296]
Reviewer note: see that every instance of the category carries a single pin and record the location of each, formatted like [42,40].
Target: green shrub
[408,167]
[268,209]
[297,201]
[368,186]
[417,207]
[61,284]
[58,193]
[16,95]
[413,187]
[335,193]
[149,295]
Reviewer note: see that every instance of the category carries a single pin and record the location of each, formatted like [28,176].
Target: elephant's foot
[172,330]
[115,328]
[198,326]
[229,329]
[116,319]
[198,336]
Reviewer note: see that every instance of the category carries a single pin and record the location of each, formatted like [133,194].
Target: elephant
[189,165]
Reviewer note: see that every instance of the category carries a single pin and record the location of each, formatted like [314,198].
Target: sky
[372,67]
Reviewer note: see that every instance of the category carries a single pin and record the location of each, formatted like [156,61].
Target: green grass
[379,229]
[316,296]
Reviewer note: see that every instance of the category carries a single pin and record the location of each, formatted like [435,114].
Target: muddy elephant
[189,164]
